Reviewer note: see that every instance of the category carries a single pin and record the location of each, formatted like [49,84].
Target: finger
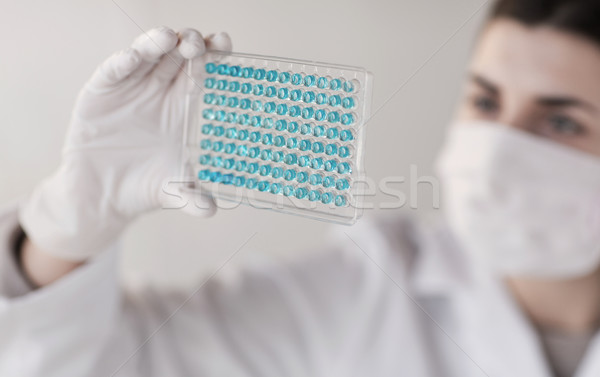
[190,46]
[115,69]
[220,41]
[191,43]
[192,81]
[168,66]
[152,46]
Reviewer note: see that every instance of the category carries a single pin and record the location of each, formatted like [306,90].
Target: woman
[509,287]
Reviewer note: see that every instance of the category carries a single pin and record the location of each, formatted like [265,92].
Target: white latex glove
[123,145]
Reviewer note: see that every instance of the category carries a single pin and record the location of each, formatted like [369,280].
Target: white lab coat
[334,313]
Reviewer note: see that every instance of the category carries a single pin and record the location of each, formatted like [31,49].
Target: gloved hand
[123,145]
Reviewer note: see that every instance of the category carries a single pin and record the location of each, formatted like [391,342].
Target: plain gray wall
[51,48]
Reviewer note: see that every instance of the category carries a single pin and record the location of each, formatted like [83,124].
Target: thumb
[192,80]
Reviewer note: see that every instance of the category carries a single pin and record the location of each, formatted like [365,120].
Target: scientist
[507,285]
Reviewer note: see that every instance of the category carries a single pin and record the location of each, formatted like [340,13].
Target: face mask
[524,205]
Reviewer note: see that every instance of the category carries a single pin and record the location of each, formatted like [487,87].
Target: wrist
[69,218]
[39,267]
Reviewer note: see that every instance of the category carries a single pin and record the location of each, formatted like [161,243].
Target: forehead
[538,60]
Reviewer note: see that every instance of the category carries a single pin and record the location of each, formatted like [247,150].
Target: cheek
[467,111]
[592,141]
[461,112]
[589,144]
[464,112]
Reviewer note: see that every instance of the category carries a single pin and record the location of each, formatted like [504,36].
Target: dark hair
[581,17]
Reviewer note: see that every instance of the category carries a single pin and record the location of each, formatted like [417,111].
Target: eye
[564,125]
[485,104]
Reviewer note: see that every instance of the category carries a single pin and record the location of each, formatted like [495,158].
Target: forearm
[40,267]
[74,316]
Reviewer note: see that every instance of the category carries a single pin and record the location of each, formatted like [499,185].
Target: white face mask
[524,205]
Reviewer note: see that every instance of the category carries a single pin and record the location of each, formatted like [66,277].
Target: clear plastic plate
[279,134]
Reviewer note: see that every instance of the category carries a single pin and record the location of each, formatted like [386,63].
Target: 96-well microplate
[280,134]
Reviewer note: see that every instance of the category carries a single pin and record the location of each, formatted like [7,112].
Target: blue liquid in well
[301,193]
[331,149]
[328,181]
[259,74]
[242,135]
[296,79]
[305,145]
[205,159]
[330,165]
[292,127]
[251,183]
[247,72]
[326,198]
[314,195]
[242,151]
[318,147]
[335,100]
[322,82]
[306,129]
[241,165]
[211,67]
[335,84]
[265,170]
[304,161]
[309,97]
[344,152]
[210,83]
[204,175]
[271,76]
[266,155]
[283,93]
[340,200]
[223,69]
[235,71]
[289,175]
[275,188]
[346,135]
[288,190]
[284,77]
[315,179]
[302,177]
[342,184]
[207,129]
[263,185]
[317,163]
[309,80]
[295,111]
[291,159]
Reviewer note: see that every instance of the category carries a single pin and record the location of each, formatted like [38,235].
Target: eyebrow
[565,102]
[546,101]
[485,84]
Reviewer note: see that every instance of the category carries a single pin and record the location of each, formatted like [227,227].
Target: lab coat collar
[590,365]
[491,329]
[496,332]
